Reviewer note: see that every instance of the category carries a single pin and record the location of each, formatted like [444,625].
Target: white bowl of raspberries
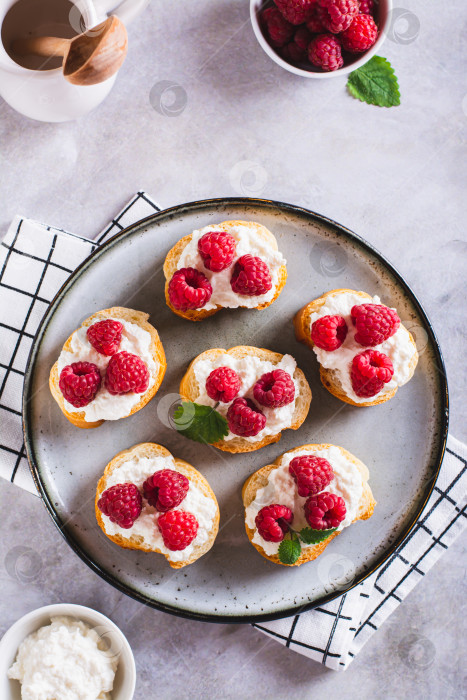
[320,38]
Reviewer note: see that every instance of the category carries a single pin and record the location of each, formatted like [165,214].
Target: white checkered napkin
[35,260]
[334,634]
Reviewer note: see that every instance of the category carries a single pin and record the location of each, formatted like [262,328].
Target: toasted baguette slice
[173,256]
[189,391]
[329,377]
[139,318]
[149,449]
[259,479]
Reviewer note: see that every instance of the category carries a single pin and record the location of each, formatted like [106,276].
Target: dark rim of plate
[27,429]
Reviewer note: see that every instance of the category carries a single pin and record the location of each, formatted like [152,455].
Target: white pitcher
[45,95]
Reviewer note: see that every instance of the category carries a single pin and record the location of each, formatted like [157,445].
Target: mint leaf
[375,83]
[310,536]
[200,423]
[289,550]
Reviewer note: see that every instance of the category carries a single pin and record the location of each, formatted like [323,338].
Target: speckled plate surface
[401,441]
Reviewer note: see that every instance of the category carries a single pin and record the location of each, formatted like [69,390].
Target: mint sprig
[200,423]
[310,536]
[290,549]
[375,83]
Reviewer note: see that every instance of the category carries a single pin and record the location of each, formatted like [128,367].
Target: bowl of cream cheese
[68,652]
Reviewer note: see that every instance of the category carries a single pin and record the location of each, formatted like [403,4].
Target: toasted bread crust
[259,479]
[302,322]
[189,390]
[173,256]
[147,449]
[139,318]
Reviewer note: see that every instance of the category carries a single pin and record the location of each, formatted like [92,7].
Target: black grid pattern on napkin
[35,261]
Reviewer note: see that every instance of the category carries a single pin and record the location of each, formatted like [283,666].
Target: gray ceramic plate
[402,441]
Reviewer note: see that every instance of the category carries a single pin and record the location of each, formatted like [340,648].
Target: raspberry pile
[274,389]
[223,384]
[329,32]
[125,372]
[325,510]
[122,503]
[311,474]
[189,288]
[272,522]
[374,324]
[165,489]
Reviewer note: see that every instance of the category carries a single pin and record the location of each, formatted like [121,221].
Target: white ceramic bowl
[384,9]
[125,677]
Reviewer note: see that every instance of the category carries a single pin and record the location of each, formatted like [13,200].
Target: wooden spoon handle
[41,46]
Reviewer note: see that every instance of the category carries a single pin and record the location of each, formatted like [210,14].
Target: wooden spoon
[88,58]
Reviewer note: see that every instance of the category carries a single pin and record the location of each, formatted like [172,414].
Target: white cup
[45,95]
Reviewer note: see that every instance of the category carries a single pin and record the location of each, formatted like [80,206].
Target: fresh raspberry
[311,474]
[374,323]
[295,11]
[244,418]
[79,383]
[325,52]
[292,53]
[278,29]
[122,503]
[223,384]
[302,38]
[217,248]
[165,489]
[329,332]
[369,372]
[126,373]
[251,276]
[189,289]
[366,7]
[315,23]
[105,336]
[178,529]
[274,389]
[324,511]
[360,35]
[338,14]
[297,50]
[272,522]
